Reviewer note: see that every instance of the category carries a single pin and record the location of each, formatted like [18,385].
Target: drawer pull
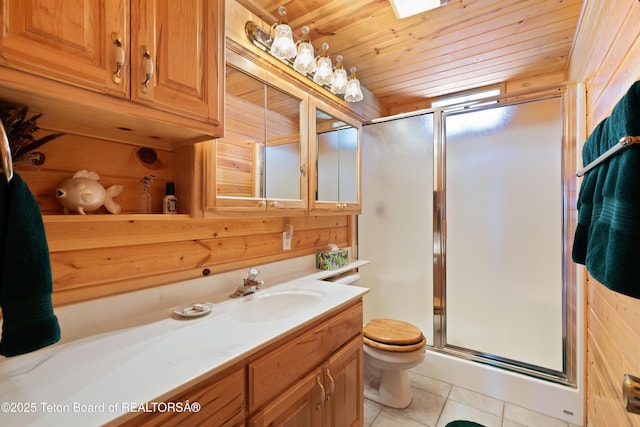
[118,57]
[332,385]
[323,395]
[148,70]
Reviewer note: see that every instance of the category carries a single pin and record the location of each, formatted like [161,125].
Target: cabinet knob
[262,204]
[116,77]
[274,204]
[148,69]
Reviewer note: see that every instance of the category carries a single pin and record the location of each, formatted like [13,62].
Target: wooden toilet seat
[393,335]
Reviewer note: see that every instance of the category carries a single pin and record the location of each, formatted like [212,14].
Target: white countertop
[94,380]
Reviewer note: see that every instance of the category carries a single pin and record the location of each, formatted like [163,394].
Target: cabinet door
[273,373]
[261,164]
[335,151]
[344,387]
[301,405]
[176,56]
[67,41]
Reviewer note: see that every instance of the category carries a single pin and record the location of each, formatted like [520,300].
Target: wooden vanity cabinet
[221,399]
[115,46]
[312,379]
[309,378]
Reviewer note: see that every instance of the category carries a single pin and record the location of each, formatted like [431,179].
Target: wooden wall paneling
[604,52]
[606,56]
[613,348]
[95,257]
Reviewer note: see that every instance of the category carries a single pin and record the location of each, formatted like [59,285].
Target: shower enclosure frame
[570,96]
[568,375]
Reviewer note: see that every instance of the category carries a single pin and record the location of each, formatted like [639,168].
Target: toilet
[391,348]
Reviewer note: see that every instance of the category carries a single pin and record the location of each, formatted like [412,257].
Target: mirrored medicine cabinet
[335,151]
[284,152]
[261,163]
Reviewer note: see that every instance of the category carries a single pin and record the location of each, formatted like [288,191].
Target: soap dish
[194,310]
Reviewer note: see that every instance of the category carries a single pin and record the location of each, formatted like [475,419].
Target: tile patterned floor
[436,403]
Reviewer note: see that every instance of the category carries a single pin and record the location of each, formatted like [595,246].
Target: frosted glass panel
[395,230]
[337,164]
[504,232]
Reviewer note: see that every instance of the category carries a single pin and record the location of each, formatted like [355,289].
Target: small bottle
[170,202]
[144,202]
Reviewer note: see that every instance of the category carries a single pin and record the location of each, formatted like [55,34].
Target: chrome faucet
[250,285]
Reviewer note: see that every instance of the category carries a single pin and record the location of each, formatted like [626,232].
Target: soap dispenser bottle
[170,202]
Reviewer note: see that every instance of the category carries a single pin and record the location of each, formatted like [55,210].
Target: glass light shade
[283,46]
[305,62]
[339,84]
[324,73]
[353,93]
[340,81]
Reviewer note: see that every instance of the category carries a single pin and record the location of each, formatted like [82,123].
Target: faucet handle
[253,275]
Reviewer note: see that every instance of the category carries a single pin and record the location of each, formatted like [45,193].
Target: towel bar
[5,153]
[624,142]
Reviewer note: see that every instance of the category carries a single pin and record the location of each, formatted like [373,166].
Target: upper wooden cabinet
[161,53]
[67,41]
[178,42]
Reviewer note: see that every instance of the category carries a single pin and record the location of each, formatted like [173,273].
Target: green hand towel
[607,238]
[28,321]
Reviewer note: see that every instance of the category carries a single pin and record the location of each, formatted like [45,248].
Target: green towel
[28,321]
[607,238]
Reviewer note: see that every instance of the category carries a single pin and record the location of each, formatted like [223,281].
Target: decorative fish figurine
[83,193]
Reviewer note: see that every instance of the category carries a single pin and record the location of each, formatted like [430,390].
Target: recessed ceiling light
[404,8]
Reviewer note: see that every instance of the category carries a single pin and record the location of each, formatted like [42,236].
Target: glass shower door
[504,232]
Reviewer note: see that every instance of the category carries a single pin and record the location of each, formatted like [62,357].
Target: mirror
[260,156]
[336,159]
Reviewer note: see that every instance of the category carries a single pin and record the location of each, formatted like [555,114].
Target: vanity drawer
[291,359]
[221,399]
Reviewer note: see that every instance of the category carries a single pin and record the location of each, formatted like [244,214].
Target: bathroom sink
[270,305]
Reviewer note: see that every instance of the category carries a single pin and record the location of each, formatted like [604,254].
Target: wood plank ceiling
[462,45]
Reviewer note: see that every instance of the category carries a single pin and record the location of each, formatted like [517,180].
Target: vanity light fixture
[283,46]
[405,8]
[319,69]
